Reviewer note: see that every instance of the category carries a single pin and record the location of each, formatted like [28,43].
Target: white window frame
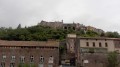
[22,59]
[31,59]
[51,59]
[41,59]
[13,58]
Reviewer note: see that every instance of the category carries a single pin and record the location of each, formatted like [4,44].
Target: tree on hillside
[90,33]
[112,34]
[102,34]
[113,59]
[19,26]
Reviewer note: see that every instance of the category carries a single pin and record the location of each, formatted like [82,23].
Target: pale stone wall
[110,43]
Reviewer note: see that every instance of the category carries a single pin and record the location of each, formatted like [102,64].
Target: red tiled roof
[100,38]
[29,43]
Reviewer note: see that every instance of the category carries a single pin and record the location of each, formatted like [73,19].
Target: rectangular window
[31,59]
[22,59]
[50,59]
[100,45]
[87,44]
[93,44]
[3,64]
[50,65]
[3,58]
[106,45]
[40,65]
[12,64]
[13,59]
[41,59]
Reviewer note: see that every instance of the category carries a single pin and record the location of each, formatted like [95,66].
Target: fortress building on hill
[68,26]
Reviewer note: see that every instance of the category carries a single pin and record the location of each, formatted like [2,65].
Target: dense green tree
[113,59]
[102,34]
[90,33]
[19,26]
[112,34]
[43,33]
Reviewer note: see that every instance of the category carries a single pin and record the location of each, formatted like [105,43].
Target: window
[13,59]
[69,27]
[87,43]
[50,59]
[93,44]
[22,59]
[100,45]
[3,58]
[41,59]
[3,64]
[31,59]
[40,65]
[50,65]
[117,51]
[65,27]
[12,64]
[106,45]
[73,28]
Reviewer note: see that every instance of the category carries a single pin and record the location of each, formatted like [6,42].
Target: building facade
[29,53]
[55,24]
[91,52]
[61,25]
[99,31]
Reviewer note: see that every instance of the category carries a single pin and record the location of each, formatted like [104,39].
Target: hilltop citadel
[73,26]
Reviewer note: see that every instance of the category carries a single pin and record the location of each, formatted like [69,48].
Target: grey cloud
[26,12]
[99,13]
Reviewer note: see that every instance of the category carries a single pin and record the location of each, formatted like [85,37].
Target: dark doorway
[72,61]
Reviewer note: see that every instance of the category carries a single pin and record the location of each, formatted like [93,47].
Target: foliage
[113,59]
[61,49]
[26,65]
[19,26]
[112,34]
[23,65]
[43,33]
[91,50]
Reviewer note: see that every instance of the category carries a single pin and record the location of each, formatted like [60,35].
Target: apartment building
[29,53]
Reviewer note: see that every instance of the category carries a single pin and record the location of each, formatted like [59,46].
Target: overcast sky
[103,14]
